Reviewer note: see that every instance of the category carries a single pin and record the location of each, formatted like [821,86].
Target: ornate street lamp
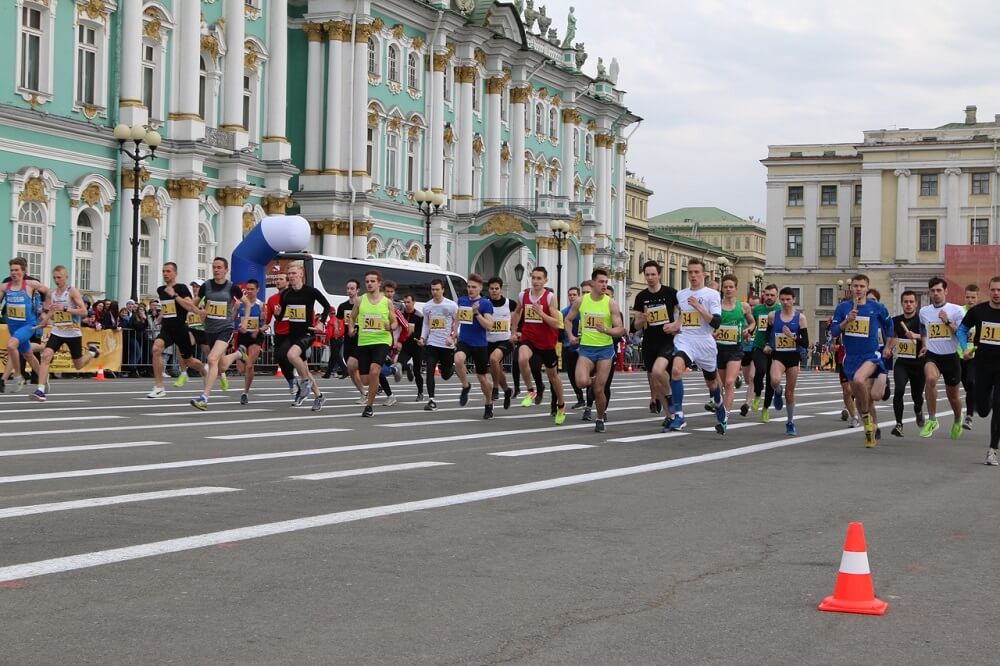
[758,281]
[723,269]
[560,230]
[139,136]
[428,203]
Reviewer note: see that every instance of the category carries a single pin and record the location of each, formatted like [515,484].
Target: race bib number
[989,334]
[592,321]
[532,316]
[216,310]
[15,312]
[859,328]
[62,318]
[169,309]
[193,319]
[728,335]
[938,331]
[656,314]
[296,313]
[691,319]
[784,342]
[253,323]
[372,323]
[501,325]
[438,323]
[906,348]
[762,322]
[465,315]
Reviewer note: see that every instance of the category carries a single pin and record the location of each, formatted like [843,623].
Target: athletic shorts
[505,345]
[303,342]
[199,335]
[787,359]
[548,357]
[595,354]
[701,352]
[949,366]
[480,357]
[369,355]
[225,335]
[747,357]
[180,338]
[350,348]
[853,363]
[74,344]
[652,352]
[840,373]
[248,341]
[728,353]
[23,333]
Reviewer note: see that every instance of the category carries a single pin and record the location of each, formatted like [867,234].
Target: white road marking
[63,418]
[191,411]
[83,447]
[18,511]
[367,470]
[544,449]
[652,435]
[731,426]
[411,424]
[282,433]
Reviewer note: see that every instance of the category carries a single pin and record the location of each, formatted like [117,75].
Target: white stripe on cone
[854,563]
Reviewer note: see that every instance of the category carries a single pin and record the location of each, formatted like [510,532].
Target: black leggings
[988,396]
[435,356]
[969,384]
[761,376]
[903,372]
[282,343]
[570,358]
[415,353]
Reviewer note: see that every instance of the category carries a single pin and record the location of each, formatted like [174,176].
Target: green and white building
[338,110]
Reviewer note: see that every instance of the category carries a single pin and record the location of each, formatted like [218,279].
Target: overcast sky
[718,80]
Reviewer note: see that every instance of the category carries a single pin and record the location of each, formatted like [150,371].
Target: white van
[330,276]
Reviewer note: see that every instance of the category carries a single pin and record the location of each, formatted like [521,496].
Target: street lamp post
[560,230]
[723,269]
[758,281]
[428,203]
[138,135]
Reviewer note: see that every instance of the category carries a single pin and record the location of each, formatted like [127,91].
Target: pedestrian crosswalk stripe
[79,447]
[543,449]
[321,476]
[93,502]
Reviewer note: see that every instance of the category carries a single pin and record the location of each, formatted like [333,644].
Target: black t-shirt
[298,308]
[344,314]
[234,291]
[912,324]
[986,320]
[174,314]
[662,303]
[417,320]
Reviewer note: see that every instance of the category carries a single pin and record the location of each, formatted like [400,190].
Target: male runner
[746,363]
[539,335]
[248,335]
[653,308]
[21,320]
[344,311]
[699,315]
[280,329]
[908,365]
[66,307]
[736,329]
[218,296]
[176,301]
[297,305]
[437,337]
[498,338]
[984,318]
[411,353]
[787,331]
[570,350]
[196,324]
[475,319]
[863,323]
[372,320]
[966,357]
[600,320]
[761,361]
[938,323]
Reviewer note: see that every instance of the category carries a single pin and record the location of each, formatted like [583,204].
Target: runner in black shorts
[351,341]
[176,301]
[654,306]
[248,336]
[297,306]
[498,338]
[411,353]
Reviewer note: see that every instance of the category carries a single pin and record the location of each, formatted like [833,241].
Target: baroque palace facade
[887,207]
[337,110]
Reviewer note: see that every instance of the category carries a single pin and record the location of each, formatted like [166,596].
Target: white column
[845,203]
[333,161]
[494,94]
[775,237]
[464,76]
[130,108]
[186,232]
[184,121]
[232,108]
[436,153]
[810,232]
[619,157]
[952,225]
[588,259]
[276,146]
[230,229]
[902,213]
[871,217]
[358,164]
[439,243]
[125,245]
[602,164]
[518,97]
[314,98]
[569,117]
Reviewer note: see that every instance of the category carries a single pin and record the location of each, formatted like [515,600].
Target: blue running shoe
[790,429]
[677,424]
[778,402]
[721,414]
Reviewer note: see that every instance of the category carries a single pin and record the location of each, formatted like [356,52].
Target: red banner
[970,264]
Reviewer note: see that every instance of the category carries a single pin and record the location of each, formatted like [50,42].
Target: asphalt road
[143,531]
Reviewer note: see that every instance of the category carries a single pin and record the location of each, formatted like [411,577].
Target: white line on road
[410,424]
[367,470]
[732,426]
[83,447]
[282,433]
[17,511]
[652,435]
[189,411]
[63,418]
[544,449]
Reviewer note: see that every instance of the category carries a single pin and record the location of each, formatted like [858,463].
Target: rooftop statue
[602,73]
[543,21]
[553,37]
[581,54]
[519,6]
[570,29]
[529,15]
[613,73]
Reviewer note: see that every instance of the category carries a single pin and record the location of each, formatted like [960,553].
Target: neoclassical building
[337,110]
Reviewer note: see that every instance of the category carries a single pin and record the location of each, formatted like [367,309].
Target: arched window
[83,261]
[145,257]
[539,119]
[411,165]
[31,236]
[448,77]
[373,57]
[202,87]
[392,160]
[204,251]
[393,58]
[589,147]
[476,96]
[553,124]
[412,71]
[576,143]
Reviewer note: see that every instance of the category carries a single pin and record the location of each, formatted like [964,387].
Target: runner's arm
[617,325]
[321,299]
[79,308]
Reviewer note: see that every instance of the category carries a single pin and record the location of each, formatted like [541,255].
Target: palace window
[828,195]
[86,64]
[793,247]
[856,241]
[928,185]
[31,47]
[34,50]
[826,297]
[247,101]
[393,63]
[797,295]
[539,119]
[370,150]
[392,160]
[980,183]
[204,251]
[554,124]
[413,71]
[795,193]
[373,61]
[83,260]
[448,76]
[145,259]
[828,242]
[979,232]
[411,165]
[150,95]
[202,87]
[857,195]
[928,235]
[589,147]
[576,143]
[504,105]
[476,95]
[31,220]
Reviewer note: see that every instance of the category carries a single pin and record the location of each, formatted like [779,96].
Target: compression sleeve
[963,337]
[803,338]
[321,299]
[716,321]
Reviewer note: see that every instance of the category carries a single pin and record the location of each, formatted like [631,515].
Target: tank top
[593,313]
[64,324]
[501,321]
[373,322]
[218,306]
[730,332]
[20,310]
[780,342]
[253,319]
[535,331]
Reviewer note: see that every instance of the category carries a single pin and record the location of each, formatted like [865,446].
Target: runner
[475,319]
[761,361]
[570,350]
[218,296]
[499,336]
[938,323]
[411,353]
[437,337]
[787,331]
[176,301]
[21,320]
[196,324]
[280,329]
[539,335]
[248,335]
[350,339]
[373,317]
[966,360]
[861,321]
[736,330]
[653,308]
[850,411]
[66,307]
[984,319]
[746,363]
[600,320]
[908,365]
[699,315]
[297,305]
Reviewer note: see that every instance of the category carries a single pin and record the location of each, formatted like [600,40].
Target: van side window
[335,274]
[460,286]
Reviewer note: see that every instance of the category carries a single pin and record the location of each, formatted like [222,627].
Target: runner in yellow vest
[374,319]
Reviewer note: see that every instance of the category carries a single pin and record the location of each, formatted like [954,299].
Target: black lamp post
[428,203]
[560,230]
[139,136]
[758,281]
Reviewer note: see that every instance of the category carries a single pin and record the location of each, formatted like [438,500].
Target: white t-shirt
[940,337]
[438,322]
[694,325]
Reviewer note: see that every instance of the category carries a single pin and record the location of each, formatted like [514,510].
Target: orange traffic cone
[854,592]
[279,373]
[100,374]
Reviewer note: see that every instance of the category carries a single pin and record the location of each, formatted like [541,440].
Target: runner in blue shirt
[475,319]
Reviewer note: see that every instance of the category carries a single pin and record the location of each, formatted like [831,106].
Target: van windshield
[335,274]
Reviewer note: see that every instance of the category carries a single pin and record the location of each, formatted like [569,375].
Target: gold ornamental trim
[275,139]
[94,9]
[398,31]
[131,103]
[373,119]
[359,173]
[556,101]
[92,195]
[543,93]
[505,153]
[153,29]
[309,172]
[588,248]
[334,172]
[441,62]
[480,56]
[250,55]
[232,196]
[249,222]
[621,148]
[185,116]
[150,208]
[520,95]
[418,43]
[576,224]
[362,32]
[449,135]
[314,31]
[275,204]
[363,228]
[233,128]
[477,144]
[502,224]
[210,45]
[495,85]
[465,74]
[128,178]
[592,125]
[571,116]
[378,25]
[185,188]
[74,203]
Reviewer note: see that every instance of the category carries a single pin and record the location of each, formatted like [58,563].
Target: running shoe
[38,395]
[778,401]
[463,398]
[390,401]
[409,372]
[854,422]
[397,372]
[363,400]
[920,419]
[930,425]
[488,412]
[507,395]
[790,429]
[888,391]
[721,414]
[739,381]
[898,430]
[223,382]
[588,415]
[578,404]
[244,399]
[991,457]
[844,415]
[244,356]
[666,423]
[301,397]
[756,403]
[721,428]
[599,425]
[157,392]
[292,387]
[967,424]
[653,407]
[299,392]
[495,395]
[529,399]
[318,402]
[710,406]
[368,412]
[560,416]
[420,397]
[539,393]
[200,403]
[94,350]
[744,409]
[659,406]
[181,380]
[431,406]
[765,417]
[870,440]
[677,423]
[18,384]
[956,431]
[2,386]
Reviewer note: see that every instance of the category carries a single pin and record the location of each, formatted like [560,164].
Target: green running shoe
[765,417]
[956,430]
[181,380]
[930,425]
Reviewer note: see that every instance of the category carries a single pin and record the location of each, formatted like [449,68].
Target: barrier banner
[108,342]
[970,264]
